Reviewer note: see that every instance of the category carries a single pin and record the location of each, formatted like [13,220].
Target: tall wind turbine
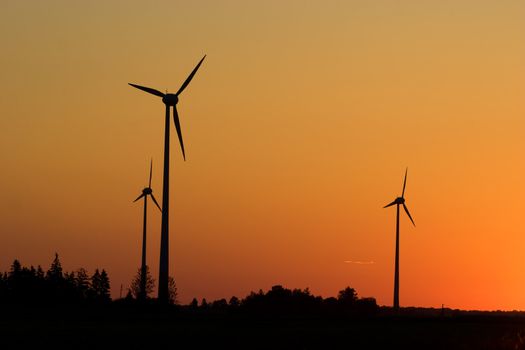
[170,100]
[399,201]
[147,191]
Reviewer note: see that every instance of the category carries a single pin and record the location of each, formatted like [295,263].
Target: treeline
[33,286]
[280,301]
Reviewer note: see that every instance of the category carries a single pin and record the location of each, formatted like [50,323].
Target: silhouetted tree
[20,283]
[347,296]
[55,287]
[204,303]
[95,283]
[54,274]
[16,268]
[69,277]
[349,302]
[40,285]
[69,292]
[104,286]
[31,285]
[282,301]
[220,304]
[100,286]
[194,304]
[172,291]
[83,283]
[234,302]
[135,283]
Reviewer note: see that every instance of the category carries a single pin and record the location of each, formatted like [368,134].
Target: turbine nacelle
[401,200]
[398,201]
[147,191]
[170,99]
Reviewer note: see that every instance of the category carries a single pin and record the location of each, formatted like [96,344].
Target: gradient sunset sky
[298,128]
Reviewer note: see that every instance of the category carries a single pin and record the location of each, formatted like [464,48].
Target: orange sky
[297,127]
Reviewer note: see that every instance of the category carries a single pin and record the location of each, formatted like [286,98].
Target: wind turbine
[170,100]
[399,201]
[147,191]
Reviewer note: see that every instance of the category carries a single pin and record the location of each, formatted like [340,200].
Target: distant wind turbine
[170,100]
[147,191]
[399,201]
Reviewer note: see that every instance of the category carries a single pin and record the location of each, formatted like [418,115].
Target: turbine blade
[139,197]
[404,184]
[148,90]
[389,205]
[155,201]
[406,209]
[150,171]
[188,79]
[179,132]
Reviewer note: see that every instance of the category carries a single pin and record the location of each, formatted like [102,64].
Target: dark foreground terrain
[149,327]
[74,310]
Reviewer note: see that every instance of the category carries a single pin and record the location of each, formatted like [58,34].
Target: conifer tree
[82,283]
[172,290]
[135,284]
[95,284]
[16,268]
[54,274]
[104,286]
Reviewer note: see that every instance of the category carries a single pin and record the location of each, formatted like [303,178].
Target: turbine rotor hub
[170,99]
[147,190]
[400,200]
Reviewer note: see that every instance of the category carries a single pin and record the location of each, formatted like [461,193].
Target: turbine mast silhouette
[399,201]
[170,100]
[147,191]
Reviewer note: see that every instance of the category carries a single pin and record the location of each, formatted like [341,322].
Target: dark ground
[148,327]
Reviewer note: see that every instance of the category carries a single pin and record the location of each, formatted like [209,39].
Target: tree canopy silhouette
[280,301]
[30,285]
[135,283]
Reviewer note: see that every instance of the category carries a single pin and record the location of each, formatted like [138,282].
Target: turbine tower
[170,100]
[399,201]
[147,191]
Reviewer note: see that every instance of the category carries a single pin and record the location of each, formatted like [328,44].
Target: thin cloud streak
[359,262]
